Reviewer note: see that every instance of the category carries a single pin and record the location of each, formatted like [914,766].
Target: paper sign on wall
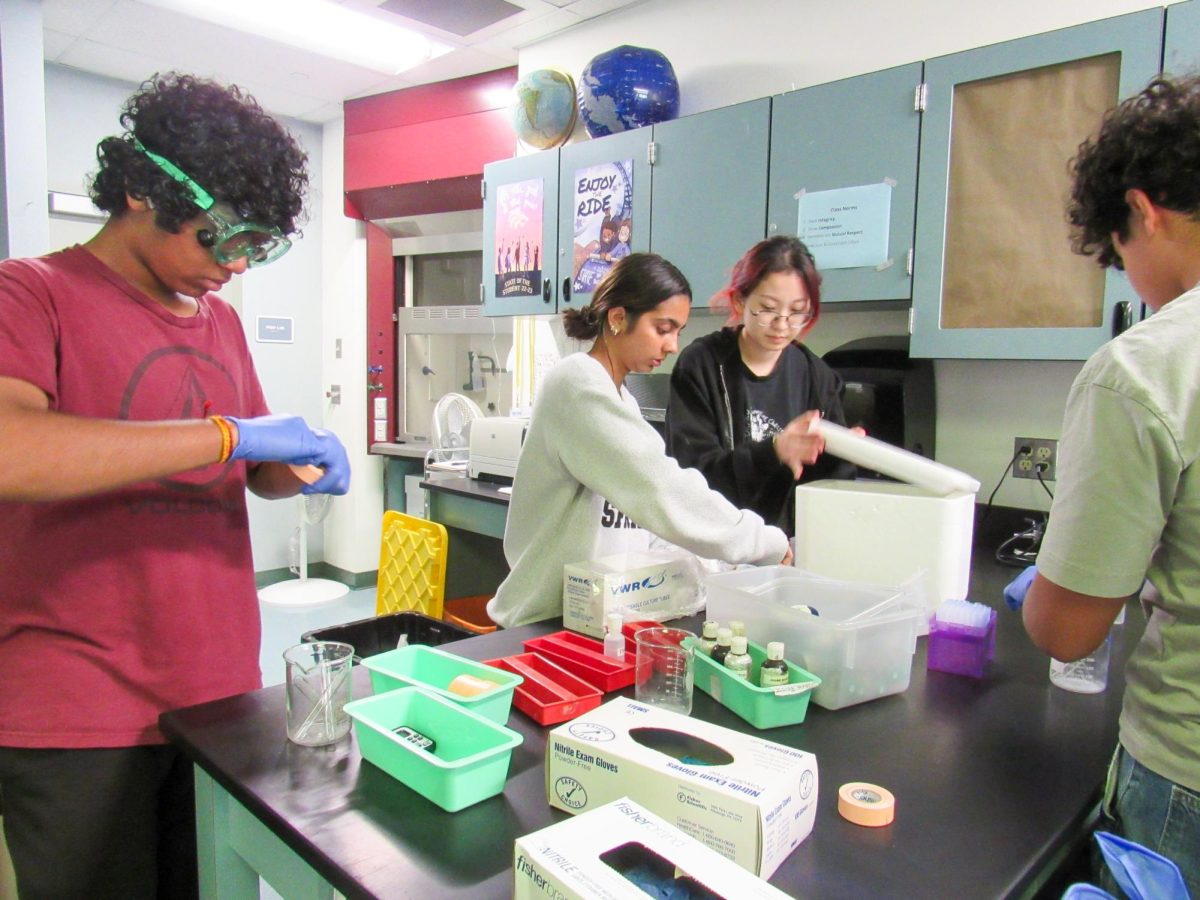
[848,227]
[273,329]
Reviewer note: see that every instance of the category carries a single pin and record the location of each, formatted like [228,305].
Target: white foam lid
[895,462]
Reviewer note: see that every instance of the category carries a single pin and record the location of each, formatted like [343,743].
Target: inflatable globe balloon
[543,114]
[627,87]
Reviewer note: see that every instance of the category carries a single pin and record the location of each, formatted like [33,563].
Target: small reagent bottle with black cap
[721,650]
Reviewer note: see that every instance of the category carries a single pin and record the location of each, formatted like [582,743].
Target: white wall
[353,527]
[725,54]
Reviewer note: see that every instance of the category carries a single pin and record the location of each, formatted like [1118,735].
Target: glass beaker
[1083,676]
[318,688]
[664,668]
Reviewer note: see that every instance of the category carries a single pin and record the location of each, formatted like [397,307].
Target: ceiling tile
[461,17]
[130,40]
[74,16]
[54,43]
[553,21]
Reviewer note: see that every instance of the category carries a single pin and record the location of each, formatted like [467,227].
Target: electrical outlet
[1042,457]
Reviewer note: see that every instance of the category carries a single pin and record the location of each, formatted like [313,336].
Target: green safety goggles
[230,239]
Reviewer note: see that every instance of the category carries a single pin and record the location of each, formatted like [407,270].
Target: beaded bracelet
[226,437]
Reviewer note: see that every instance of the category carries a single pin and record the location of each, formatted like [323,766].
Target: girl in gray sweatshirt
[594,478]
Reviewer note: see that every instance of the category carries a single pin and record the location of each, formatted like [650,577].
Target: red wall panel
[443,100]
[427,151]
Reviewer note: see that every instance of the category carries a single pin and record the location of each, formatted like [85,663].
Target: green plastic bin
[471,754]
[762,707]
[432,670]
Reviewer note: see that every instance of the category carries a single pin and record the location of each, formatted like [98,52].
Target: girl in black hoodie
[744,399]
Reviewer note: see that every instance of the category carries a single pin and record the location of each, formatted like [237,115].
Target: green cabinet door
[1181,45]
[860,134]
[520,235]
[709,196]
[602,182]
[994,275]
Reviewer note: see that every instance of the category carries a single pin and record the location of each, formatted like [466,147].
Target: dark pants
[100,823]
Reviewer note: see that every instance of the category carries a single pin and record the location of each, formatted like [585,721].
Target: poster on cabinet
[519,251]
[603,213]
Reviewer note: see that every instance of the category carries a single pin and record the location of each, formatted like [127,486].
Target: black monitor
[886,392]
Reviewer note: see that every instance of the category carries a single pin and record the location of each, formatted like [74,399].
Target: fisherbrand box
[611,851]
[749,799]
[655,585]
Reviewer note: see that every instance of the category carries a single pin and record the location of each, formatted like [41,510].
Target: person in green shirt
[1127,510]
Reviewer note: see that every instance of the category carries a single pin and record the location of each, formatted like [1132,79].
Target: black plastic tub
[379,634]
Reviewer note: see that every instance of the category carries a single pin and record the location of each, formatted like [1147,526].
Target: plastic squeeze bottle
[614,641]
[708,637]
[774,671]
[724,637]
[738,660]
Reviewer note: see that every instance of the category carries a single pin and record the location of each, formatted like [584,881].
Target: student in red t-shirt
[131,424]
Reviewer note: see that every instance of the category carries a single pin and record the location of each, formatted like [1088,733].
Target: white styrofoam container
[860,643]
[884,533]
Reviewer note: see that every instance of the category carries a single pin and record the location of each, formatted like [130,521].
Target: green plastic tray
[769,707]
[432,670]
[471,753]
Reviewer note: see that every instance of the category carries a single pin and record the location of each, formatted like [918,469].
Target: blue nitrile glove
[288,439]
[334,461]
[1015,590]
[1140,872]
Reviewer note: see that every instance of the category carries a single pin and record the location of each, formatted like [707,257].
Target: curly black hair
[1150,141]
[220,137]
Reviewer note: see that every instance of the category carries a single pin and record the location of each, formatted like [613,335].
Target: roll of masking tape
[469,686]
[866,804]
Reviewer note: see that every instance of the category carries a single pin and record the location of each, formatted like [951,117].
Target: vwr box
[606,853]
[643,585]
[749,799]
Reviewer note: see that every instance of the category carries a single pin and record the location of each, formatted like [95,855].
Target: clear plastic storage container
[859,639]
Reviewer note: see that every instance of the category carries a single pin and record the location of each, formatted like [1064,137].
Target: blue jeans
[1156,813]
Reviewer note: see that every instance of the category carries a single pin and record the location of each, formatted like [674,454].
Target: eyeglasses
[230,239]
[768,317]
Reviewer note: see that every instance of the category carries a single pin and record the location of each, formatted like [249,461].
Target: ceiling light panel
[320,27]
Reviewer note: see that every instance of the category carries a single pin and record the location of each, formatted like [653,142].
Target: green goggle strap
[202,197]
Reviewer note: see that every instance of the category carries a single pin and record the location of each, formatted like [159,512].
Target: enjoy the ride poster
[603,215]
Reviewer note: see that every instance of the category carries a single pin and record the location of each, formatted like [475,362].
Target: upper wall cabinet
[1181,46]
[994,273]
[844,176]
[710,191]
[520,235]
[693,190]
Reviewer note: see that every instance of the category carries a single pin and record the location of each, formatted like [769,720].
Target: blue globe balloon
[627,87]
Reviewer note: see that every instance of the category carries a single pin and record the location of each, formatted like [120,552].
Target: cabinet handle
[546,290]
[566,291]
[1122,317]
